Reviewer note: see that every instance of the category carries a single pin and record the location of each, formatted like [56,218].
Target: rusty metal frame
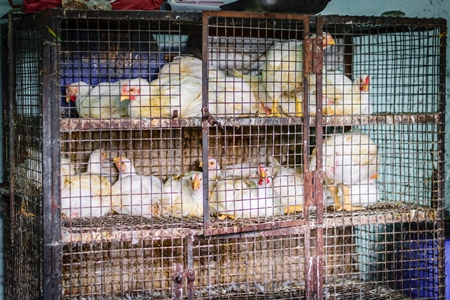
[313,64]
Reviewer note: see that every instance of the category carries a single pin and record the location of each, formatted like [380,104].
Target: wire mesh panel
[385,167]
[224,155]
[259,156]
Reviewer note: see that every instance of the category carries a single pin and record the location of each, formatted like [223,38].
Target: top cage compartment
[256,66]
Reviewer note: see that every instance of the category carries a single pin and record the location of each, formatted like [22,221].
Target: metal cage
[224,155]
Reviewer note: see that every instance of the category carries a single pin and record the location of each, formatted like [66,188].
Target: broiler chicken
[82,195]
[342,97]
[77,93]
[183,197]
[279,87]
[232,96]
[283,75]
[134,194]
[214,173]
[288,183]
[188,65]
[163,95]
[66,170]
[349,159]
[245,198]
[103,102]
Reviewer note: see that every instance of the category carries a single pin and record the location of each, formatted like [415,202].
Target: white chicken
[232,96]
[183,197]
[103,102]
[134,194]
[77,92]
[288,183]
[66,170]
[283,75]
[163,95]
[214,173]
[348,159]
[82,195]
[342,97]
[245,198]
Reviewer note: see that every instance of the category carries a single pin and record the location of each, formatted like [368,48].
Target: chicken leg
[298,107]
[347,205]
[275,112]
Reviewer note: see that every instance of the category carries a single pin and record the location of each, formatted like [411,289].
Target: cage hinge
[208,117]
[178,277]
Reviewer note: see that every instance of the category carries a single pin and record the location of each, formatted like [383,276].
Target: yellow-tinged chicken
[245,198]
[164,95]
[342,97]
[183,197]
[232,96]
[134,194]
[188,65]
[258,88]
[283,75]
[348,159]
[103,102]
[82,195]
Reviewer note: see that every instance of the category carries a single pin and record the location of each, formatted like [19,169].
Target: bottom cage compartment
[256,266]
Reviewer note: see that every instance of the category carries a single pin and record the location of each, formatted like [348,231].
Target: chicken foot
[292,209]
[224,216]
[347,205]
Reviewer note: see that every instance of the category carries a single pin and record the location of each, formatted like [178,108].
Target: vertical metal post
[441,156]
[190,266]
[11,275]
[52,252]
[205,122]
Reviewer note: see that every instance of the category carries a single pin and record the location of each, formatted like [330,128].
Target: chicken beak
[365,84]
[119,165]
[374,176]
[329,40]
[196,183]
[364,88]
[262,174]
[124,98]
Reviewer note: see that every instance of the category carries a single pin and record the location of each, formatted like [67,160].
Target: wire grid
[25,170]
[138,269]
[261,267]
